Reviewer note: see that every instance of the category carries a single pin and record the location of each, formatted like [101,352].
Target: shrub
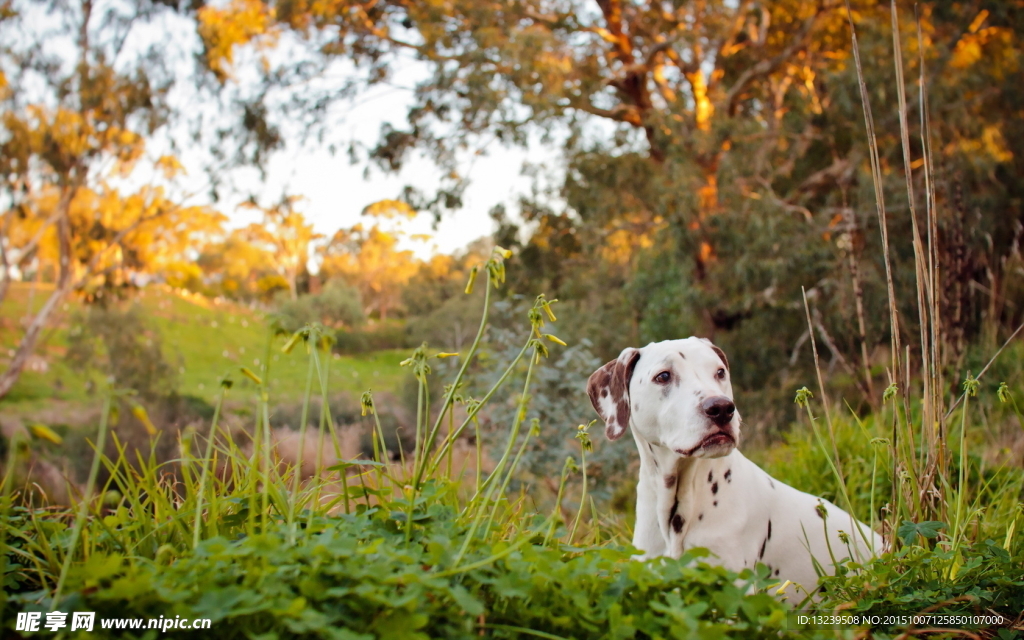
[337,305]
[374,549]
[118,342]
[378,336]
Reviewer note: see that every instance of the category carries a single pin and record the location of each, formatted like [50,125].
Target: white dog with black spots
[696,489]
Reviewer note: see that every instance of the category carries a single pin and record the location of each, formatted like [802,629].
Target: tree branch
[765,67]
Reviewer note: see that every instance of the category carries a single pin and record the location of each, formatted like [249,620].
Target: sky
[336,192]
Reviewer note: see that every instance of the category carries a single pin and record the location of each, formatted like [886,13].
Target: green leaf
[909,531]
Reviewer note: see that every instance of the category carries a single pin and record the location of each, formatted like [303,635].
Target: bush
[376,337]
[451,326]
[558,401]
[413,551]
[119,342]
[360,577]
[337,305]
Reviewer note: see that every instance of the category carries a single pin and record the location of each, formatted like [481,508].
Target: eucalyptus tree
[84,85]
[715,153]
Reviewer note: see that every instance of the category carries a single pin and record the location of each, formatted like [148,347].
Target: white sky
[337,191]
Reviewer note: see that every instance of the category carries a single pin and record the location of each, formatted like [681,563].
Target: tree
[285,238]
[369,259]
[235,266]
[682,74]
[735,170]
[76,114]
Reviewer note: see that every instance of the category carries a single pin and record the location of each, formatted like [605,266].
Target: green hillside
[203,338]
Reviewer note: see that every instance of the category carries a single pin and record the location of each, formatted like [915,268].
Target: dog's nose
[719,409]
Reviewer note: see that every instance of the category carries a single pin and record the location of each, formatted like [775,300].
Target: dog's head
[675,394]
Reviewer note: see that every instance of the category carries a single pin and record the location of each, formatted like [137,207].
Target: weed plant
[365,548]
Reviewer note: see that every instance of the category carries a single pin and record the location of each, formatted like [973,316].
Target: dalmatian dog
[695,488]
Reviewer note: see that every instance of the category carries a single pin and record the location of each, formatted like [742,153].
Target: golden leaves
[370,260]
[241,23]
[990,142]
[170,166]
[972,46]
[65,138]
[704,108]
[116,234]
[389,209]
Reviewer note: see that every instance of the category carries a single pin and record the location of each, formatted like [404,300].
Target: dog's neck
[685,485]
[660,460]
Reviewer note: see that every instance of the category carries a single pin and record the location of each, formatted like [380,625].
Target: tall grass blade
[83,506]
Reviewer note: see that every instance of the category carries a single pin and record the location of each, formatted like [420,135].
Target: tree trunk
[5,275]
[707,197]
[293,288]
[31,337]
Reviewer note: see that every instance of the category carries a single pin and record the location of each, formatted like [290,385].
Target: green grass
[202,339]
[394,551]
[369,550]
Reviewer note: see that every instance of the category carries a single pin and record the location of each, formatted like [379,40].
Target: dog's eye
[721,374]
[663,377]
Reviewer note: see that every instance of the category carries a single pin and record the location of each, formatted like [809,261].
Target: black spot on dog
[700,517]
[714,488]
[715,503]
[763,545]
[769,530]
[650,447]
[776,572]
[604,393]
[771,483]
[728,475]
[672,513]
[636,406]
[682,356]
[670,481]
[710,476]
[677,523]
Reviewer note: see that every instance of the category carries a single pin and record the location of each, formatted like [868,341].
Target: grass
[202,338]
[392,551]
[373,549]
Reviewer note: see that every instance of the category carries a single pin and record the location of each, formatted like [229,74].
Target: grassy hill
[202,338]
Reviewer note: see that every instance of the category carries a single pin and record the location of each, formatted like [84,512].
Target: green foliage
[378,336]
[560,403]
[337,305]
[417,550]
[357,576]
[909,531]
[118,341]
[987,580]
[258,552]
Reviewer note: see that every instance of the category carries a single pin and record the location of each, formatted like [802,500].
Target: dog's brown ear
[721,354]
[608,389]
